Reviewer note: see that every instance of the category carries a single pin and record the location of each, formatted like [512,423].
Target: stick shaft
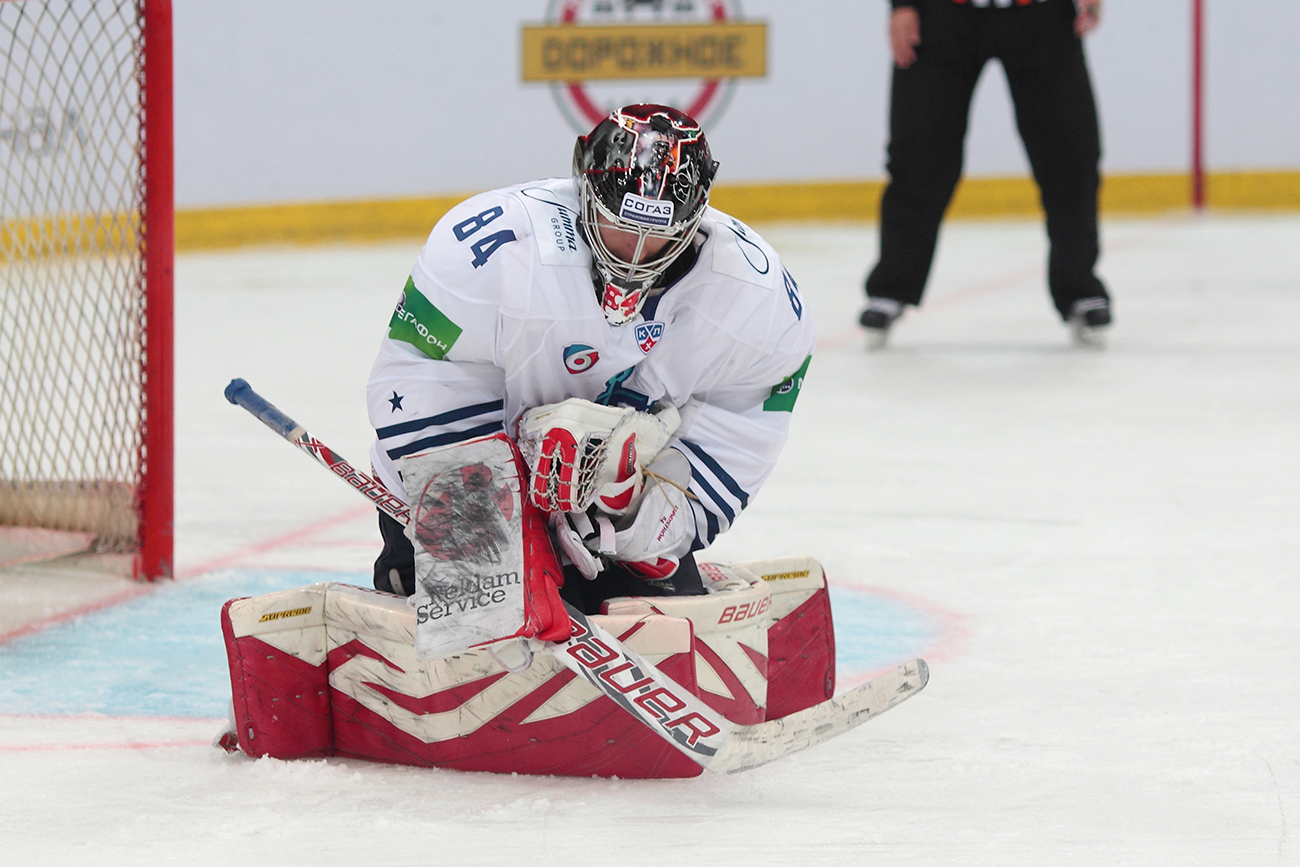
[241,394]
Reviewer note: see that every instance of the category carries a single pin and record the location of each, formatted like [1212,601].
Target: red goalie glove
[580,453]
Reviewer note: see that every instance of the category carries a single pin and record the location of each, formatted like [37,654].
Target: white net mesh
[72,308]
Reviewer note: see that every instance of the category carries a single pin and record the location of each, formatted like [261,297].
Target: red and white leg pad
[801,634]
[331,670]
[764,639]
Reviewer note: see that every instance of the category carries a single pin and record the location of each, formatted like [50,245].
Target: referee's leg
[1057,117]
[928,110]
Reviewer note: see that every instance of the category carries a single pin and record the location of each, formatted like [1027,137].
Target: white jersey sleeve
[734,360]
[733,451]
[437,379]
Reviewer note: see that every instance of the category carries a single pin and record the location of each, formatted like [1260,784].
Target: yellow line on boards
[310,223]
[377,220]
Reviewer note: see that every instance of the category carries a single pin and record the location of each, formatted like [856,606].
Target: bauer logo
[735,613]
[649,212]
[648,334]
[579,358]
[657,701]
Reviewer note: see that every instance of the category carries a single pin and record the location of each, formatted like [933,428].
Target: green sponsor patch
[784,395]
[422,325]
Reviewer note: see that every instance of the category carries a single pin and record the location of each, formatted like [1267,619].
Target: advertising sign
[598,55]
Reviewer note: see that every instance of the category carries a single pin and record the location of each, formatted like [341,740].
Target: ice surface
[1098,550]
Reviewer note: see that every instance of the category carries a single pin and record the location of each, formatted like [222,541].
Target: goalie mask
[645,171]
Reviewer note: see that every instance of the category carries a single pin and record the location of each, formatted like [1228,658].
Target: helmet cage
[623,278]
[646,171]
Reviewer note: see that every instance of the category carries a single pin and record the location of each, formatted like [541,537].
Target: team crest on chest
[648,334]
[579,357]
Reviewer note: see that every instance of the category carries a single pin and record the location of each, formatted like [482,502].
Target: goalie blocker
[476,555]
[331,670]
[484,565]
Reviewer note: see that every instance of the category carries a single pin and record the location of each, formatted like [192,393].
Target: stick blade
[754,745]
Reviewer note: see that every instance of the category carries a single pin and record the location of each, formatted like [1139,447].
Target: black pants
[1056,117]
[614,580]
[398,554]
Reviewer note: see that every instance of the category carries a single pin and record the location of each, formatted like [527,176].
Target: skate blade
[1088,338]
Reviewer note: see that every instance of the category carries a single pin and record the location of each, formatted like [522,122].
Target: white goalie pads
[580,453]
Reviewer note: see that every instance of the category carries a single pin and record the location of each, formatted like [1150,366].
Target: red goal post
[86,250]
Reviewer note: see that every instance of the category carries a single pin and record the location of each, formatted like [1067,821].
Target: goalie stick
[641,689]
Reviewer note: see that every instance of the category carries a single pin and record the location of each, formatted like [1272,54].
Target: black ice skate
[1089,318]
[878,318]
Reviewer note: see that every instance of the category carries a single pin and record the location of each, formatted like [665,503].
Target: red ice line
[91,715]
[212,565]
[106,745]
[952,636]
[1006,281]
[988,286]
[152,745]
[38,625]
[292,536]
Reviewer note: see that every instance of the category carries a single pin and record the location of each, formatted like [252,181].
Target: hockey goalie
[584,382]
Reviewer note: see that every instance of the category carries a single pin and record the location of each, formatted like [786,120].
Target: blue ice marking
[162,654]
[159,655]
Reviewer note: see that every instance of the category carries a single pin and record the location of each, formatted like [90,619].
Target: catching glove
[580,453]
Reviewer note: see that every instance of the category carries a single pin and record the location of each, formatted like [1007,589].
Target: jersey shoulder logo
[579,357]
[739,252]
[555,226]
[786,392]
[648,334]
[417,322]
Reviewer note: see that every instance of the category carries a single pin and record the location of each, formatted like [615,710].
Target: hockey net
[86,272]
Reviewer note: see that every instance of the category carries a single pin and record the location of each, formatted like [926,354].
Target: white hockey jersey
[500,315]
